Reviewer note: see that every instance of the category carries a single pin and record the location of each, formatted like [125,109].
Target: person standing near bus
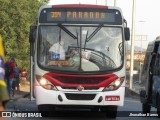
[9,74]
[3,87]
[16,75]
[24,76]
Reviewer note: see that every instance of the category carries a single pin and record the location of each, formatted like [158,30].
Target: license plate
[112,98]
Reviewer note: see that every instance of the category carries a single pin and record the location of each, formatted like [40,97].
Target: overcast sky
[147,20]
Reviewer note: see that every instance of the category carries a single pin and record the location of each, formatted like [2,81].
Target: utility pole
[132,44]
[106,2]
[115,2]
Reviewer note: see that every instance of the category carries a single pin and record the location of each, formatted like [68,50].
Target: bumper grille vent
[70,96]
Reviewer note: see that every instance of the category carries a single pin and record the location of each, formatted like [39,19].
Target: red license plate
[112,98]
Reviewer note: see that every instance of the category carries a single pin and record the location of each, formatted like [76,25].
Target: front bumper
[92,98]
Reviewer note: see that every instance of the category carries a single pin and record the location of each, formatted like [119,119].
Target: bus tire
[146,108]
[94,109]
[110,111]
[158,105]
[46,110]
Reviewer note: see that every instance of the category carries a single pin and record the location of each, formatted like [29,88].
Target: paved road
[131,107]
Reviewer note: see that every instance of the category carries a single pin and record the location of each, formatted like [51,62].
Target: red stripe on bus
[108,78]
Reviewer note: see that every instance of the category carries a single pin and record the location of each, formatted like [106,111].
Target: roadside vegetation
[16,18]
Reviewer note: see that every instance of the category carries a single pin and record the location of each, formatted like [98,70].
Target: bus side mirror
[127,33]
[32,34]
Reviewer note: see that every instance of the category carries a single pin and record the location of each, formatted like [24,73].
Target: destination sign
[59,62]
[52,15]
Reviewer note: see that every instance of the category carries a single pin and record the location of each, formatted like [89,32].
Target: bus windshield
[80,48]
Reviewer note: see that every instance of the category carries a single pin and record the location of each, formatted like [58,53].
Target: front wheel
[110,111]
[47,110]
[146,108]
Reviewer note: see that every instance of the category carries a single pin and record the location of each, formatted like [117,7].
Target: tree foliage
[16,18]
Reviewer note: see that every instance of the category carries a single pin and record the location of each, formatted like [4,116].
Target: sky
[147,17]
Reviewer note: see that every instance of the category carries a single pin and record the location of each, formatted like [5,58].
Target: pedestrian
[16,76]
[9,74]
[3,87]
[24,76]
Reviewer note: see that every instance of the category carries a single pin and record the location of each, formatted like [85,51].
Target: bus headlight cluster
[45,83]
[114,85]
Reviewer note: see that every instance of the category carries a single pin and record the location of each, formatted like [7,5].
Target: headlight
[114,85]
[45,83]
[117,83]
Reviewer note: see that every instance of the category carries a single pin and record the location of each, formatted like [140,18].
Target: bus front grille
[80,80]
[71,96]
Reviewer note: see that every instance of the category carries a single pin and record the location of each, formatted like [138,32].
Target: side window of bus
[157,65]
[147,58]
[158,60]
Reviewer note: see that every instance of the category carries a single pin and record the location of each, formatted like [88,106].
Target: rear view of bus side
[78,57]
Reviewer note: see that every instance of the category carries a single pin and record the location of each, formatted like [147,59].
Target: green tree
[16,18]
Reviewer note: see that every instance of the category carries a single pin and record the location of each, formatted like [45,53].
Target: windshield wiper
[67,31]
[120,48]
[94,32]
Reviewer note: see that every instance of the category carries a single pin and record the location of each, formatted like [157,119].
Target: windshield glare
[80,48]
